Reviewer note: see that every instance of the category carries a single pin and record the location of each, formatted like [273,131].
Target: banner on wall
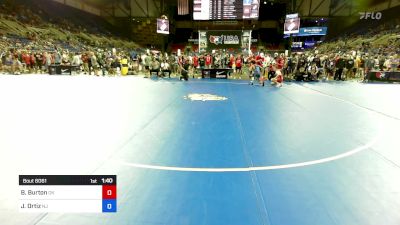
[224,39]
[309,31]
[309,44]
[297,44]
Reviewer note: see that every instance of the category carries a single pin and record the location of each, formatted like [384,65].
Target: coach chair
[156,71]
[165,72]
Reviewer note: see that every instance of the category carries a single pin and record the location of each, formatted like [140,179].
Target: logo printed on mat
[205,97]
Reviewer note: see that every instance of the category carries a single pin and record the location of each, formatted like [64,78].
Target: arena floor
[207,152]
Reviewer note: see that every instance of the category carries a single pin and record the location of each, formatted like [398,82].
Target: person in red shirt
[208,61]
[280,62]
[239,64]
[232,61]
[260,59]
[33,61]
[195,63]
[26,58]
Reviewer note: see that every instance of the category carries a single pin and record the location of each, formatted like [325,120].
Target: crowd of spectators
[352,56]
[310,65]
[34,52]
[31,41]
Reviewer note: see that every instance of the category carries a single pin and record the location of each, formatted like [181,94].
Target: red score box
[109,191]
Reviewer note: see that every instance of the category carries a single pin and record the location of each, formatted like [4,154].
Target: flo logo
[216,39]
[370,15]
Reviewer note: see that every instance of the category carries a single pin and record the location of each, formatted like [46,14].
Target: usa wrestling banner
[224,39]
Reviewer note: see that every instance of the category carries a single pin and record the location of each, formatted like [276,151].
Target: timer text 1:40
[107,180]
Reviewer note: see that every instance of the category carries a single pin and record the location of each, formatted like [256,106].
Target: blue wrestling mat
[213,152]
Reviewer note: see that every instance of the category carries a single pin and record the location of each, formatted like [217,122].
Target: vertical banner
[246,40]
[249,50]
[292,24]
[202,41]
[162,26]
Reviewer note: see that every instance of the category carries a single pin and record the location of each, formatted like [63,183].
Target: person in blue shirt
[256,73]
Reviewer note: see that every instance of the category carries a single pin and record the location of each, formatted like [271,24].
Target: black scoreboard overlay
[68,193]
